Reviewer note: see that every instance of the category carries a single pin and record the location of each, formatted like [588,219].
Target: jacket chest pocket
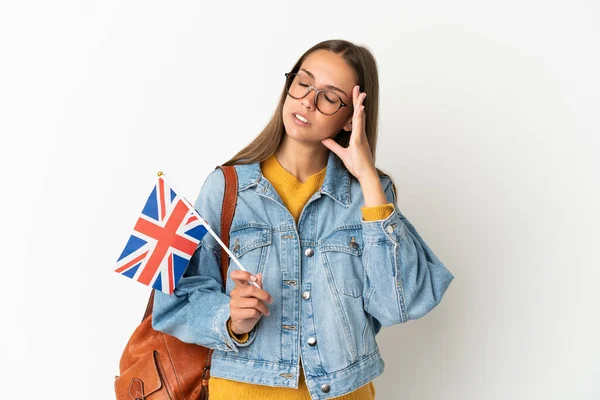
[341,253]
[249,243]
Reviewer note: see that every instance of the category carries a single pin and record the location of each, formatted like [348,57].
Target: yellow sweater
[294,194]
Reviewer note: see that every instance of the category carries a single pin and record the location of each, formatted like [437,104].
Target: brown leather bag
[155,365]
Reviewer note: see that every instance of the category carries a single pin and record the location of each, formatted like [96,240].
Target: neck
[301,160]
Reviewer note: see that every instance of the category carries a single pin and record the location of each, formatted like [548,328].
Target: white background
[489,125]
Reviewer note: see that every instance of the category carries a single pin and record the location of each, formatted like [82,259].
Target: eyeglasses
[298,88]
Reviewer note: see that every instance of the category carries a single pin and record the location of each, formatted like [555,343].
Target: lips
[301,115]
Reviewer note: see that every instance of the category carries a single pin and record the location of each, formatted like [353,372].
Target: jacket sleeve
[403,278]
[198,310]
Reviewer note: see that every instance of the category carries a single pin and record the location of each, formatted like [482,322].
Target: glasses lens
[328,102]
[298,87]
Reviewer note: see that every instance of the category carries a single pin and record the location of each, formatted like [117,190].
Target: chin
[295,134]
[306,134]
[295,131]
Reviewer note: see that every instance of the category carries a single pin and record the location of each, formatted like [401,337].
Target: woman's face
[320,68]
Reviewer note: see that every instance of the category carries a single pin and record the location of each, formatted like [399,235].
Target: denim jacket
[335,280]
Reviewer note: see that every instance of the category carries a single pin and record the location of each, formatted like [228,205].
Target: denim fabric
[360,275]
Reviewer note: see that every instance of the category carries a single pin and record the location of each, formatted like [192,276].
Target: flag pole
[209,229]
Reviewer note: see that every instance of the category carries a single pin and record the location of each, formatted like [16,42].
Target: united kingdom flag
[163,240]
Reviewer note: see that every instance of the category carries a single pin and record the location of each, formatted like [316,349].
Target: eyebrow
[327,86]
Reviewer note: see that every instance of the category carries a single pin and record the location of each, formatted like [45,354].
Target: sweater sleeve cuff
[243,338]
[378,212]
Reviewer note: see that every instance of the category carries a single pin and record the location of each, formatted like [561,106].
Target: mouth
[299,118]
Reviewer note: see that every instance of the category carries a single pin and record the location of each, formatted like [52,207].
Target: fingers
[242,278]
[244,305]
[244,289]
[248,301]
[250,291]
[247,313]
[358,98]
[259,280]
[333,146]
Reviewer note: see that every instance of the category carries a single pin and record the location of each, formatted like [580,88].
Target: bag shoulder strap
[227,211]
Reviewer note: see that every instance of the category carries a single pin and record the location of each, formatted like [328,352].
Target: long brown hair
[361,60]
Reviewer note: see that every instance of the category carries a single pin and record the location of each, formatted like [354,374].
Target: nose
[309,101]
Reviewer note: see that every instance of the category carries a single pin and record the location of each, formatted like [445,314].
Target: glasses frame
[311,87]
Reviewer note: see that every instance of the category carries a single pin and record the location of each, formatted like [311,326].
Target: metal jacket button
[325,388]
[306,295]
[309,252]
[312,341]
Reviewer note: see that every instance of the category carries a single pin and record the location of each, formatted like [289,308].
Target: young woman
[319,231]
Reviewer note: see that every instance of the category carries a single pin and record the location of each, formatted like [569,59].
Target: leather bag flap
[143,377]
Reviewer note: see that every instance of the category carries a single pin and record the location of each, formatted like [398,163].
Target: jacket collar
[336,183]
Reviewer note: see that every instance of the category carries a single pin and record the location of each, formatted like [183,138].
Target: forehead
[330,68]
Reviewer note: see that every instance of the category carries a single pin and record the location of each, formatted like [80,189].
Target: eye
[330,98]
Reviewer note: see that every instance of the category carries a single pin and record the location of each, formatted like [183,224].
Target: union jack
[163,240]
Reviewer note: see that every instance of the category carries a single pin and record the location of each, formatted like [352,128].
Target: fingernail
[253,278]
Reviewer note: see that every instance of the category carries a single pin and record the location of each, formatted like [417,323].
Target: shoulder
[210,200]
[214,184]
[247,174]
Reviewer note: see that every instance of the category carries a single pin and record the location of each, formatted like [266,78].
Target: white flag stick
[235,260]
[208,228]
